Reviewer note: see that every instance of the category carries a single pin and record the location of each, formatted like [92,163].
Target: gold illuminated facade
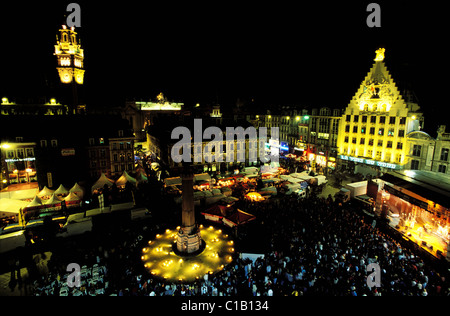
[374,126]
[70,56]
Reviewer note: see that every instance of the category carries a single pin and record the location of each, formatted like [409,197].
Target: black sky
[275,52]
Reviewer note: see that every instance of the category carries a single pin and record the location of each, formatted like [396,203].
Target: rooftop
[433,186]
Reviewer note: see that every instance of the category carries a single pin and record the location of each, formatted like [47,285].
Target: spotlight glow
[161,261]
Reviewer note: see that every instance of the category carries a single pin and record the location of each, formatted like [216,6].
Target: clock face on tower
[79,76]
[66,77]
[79,79]
[65,74]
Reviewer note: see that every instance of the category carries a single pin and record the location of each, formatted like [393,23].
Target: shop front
[18,163]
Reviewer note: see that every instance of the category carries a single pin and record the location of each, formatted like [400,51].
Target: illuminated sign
[370,162]
[273,143]
[68,152]
[166,106]
[22,159]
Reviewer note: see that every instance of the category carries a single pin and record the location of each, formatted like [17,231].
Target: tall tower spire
[70,56]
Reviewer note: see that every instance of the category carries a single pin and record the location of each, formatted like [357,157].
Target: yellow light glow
[413,117]
[172,267]
[79,76]
[380,54]
[64,61]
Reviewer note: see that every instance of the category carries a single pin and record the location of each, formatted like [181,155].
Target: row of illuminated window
[377,155]
[372,130]
[20,153]
[230,145]
[371,142]
[121,157]
[123,167]
[121,145]
[373,119]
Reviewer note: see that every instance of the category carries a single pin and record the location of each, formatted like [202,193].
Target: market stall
[61,191]
[53,204]
[45,193]
[124,179]
[101,182]
[72,200]
[238,218]
[78,190]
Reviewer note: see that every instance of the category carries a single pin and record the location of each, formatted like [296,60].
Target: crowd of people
[312,247]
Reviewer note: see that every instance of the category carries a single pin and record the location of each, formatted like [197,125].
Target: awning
[237,218]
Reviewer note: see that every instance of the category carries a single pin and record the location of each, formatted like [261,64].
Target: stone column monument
[189,240]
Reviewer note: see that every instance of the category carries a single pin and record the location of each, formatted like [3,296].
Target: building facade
[322,138]
[374,126]
[293,126]
[420,149]
[121,152]
[441,162]
[17,161]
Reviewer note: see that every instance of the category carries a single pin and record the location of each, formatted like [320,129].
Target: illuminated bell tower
[70,56]
[70,63]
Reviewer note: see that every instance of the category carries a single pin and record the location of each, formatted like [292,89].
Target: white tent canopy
[72,197]
[45,192]
[101,182]
[36,202]
[124,178]
[77,190]
[61,190]
[53,200]
[10,207]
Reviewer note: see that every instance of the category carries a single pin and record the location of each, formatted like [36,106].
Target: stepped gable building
[374,126]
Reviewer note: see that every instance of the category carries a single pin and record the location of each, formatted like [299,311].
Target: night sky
[273,52]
